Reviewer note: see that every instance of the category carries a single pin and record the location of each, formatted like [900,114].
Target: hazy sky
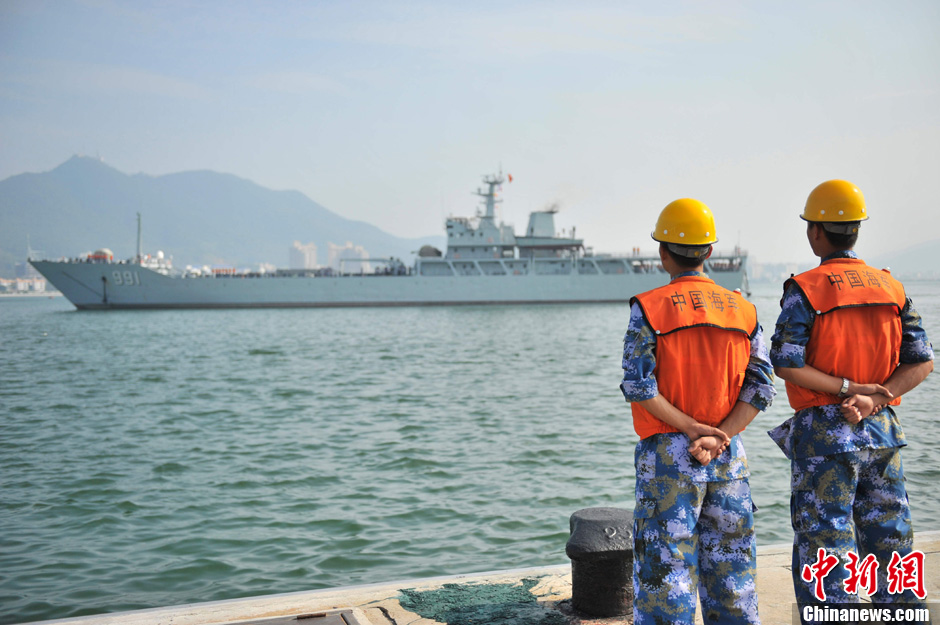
[390,112]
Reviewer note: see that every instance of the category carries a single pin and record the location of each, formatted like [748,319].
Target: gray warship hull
[485,263]
[115,286]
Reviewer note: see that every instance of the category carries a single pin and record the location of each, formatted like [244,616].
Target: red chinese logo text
[903,572]
[907,573]
[818,572]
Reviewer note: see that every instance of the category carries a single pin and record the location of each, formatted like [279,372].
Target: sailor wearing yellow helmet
[696,372]
[848,343]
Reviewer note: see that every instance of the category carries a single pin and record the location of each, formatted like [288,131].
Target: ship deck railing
[594,264]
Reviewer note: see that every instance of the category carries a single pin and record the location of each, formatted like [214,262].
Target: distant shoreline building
[348,258]
[303,256]
[23,285]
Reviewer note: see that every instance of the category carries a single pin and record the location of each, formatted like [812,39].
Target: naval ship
[485,263]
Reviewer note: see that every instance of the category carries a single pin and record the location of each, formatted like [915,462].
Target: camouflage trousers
[693,536]
[852,501]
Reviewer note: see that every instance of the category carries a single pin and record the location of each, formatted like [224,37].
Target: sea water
[168,457]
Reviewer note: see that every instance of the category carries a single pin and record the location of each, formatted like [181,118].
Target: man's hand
[868,389]
[707,448]
[696,430]
[857,407]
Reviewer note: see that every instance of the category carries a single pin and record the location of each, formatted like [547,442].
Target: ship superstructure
[485,263]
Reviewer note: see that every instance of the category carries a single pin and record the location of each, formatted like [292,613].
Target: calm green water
[161,458]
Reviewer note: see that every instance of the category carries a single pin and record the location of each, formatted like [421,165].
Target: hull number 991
[125,278]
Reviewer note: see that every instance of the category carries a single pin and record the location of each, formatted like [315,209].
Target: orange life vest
[857,330]
[703,345]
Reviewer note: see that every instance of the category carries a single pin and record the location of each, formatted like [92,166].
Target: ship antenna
[138,239]
[489,196]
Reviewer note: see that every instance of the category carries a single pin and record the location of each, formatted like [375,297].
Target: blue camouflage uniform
[693,524]
[846,480]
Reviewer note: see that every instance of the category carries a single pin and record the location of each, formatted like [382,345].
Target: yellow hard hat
[835,201]
[686,222]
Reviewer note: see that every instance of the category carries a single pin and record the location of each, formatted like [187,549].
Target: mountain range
[197,217]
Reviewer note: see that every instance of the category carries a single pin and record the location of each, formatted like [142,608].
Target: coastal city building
[22,285]
[348,258]
[303,256]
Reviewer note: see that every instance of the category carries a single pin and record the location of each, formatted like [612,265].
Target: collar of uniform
[841,254]
[694,275]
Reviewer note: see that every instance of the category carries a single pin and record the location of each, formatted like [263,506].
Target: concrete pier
[535,596]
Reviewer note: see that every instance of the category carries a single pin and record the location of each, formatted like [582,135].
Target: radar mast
[490,194]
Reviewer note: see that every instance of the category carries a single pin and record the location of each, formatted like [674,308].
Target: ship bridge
[481,237]
[540,240]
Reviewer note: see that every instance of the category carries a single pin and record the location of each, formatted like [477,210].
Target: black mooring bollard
[601,552]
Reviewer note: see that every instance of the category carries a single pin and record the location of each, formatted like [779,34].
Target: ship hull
[112,286]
